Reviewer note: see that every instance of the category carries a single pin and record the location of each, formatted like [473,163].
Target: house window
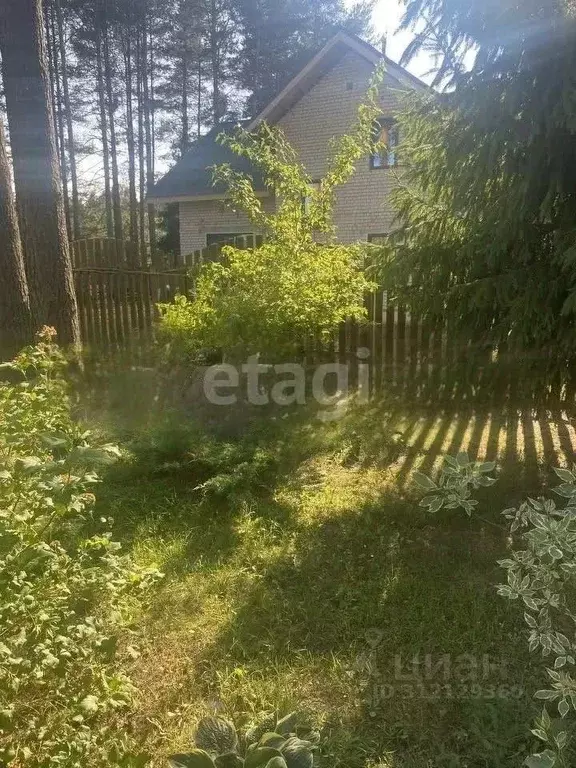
[226,238]
[377,239]
[387,154]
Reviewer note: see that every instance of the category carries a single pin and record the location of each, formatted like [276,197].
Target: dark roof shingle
[192,174]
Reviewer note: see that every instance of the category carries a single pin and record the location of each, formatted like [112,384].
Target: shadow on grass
[362,594]
[300,628]
[357,596]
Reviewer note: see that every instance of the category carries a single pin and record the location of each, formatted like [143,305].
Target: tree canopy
[487,215]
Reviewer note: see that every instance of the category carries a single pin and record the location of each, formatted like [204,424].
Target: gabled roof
[191,177]
[321,63]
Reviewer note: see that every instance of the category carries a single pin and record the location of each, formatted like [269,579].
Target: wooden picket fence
[106,253]
[118,307]
[118,304]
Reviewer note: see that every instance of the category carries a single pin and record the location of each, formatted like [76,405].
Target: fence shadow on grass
[384,569]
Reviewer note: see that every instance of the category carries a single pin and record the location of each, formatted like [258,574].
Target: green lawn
[312,581]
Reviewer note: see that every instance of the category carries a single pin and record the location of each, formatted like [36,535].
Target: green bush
[300,283]
[66,590]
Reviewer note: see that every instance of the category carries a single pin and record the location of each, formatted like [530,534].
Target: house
[319,103]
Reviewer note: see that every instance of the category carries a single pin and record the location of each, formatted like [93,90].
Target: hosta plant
[274,743]
[453,488]
[541,575]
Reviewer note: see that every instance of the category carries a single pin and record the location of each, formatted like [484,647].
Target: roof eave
[160,200]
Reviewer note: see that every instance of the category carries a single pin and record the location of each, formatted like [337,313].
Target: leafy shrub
[458,477]
[216,467]
[541,574]
[272,744]
[300,283]
[66,591]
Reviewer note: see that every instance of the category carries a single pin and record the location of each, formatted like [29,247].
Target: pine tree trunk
[215,57]
[116,203]
[141,74]
[199,100]
[148,81]
[15,321]
[76,217]
[104,135]
[131,148]
[53,53]
[36,172]
[185,138]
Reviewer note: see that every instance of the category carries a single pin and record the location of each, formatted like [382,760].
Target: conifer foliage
[487,213]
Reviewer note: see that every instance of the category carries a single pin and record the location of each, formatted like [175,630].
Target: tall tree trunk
[185,138]
[148,81]
[215,58]
[111,101]
[104,135]
[141,74]
[53,52]
[36,171]
[76,216]
[15,321]
[131,149]
[199,100]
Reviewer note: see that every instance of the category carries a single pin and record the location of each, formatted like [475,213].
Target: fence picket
[118,296]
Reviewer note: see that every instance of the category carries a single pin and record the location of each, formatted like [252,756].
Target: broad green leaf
[424,482]
[567,490]
[546,759]
[229,760]
[487,466]
[260,757]
[564,474]
[216,735]
[274,740]
[298,753]
[196,758]
[436,504]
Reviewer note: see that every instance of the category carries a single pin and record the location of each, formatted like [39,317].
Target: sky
[386,19]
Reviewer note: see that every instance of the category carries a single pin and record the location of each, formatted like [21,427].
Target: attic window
[349,86]
[387,154]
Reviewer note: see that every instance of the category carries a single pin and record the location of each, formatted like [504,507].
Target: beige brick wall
[329,109]
[214,217]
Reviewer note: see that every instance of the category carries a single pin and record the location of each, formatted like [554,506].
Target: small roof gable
[321,63]
[192,174]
